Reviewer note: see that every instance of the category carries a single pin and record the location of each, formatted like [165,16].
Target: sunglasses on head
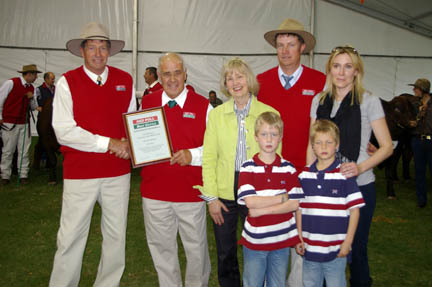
[345,48]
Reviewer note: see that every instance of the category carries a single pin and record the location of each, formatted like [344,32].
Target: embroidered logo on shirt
[334,191]
[120,88]
[308,92]
[189,115]
[282,181]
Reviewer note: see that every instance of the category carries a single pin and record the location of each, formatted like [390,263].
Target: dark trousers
[226,241]
[359,266]
[422,150]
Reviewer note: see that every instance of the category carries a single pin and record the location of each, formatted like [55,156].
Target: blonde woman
[357,113]
[228,142]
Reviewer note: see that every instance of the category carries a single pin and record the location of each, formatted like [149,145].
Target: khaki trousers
[163,220]
[14,139]
[79,198]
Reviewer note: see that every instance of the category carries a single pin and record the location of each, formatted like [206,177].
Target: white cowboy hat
[294,27]
[94,31]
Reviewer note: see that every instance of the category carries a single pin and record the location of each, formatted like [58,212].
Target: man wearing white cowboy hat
[87,119]
[16,97]
[290,88]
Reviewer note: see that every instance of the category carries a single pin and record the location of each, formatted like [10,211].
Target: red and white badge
[189,115]
[308,92]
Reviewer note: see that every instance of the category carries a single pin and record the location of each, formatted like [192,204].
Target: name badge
[189,115]
[120,88]
[308,92]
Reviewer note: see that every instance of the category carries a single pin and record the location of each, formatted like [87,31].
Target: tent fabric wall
[207,33]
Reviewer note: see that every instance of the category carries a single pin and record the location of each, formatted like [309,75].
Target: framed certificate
[148,136]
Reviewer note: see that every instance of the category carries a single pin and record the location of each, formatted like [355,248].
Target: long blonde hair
[357,89]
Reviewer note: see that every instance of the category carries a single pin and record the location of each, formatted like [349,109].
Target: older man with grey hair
[171,205]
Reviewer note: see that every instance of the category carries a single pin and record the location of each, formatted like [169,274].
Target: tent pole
[312,26]
[135,42]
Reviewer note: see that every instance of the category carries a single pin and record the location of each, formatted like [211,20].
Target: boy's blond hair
[270,118]
[324,126]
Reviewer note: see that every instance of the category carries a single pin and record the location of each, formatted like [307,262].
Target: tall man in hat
[16,100]
[170,203]
[421,141]
[87,119]
[290,88]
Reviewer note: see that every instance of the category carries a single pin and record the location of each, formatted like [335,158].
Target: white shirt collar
[180,99]
[153,84]
[94,77]
[23,82]
[296,75]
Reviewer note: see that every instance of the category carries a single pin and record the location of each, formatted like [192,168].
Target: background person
[228,142]
[44,93]
[356,113]
[421,141]
[151,79]
[87,118]
[170,204]
[214,100]
[16,100]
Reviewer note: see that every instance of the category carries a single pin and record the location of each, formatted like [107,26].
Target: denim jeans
[422,150]
[359,266]
[270,266]
[333,272]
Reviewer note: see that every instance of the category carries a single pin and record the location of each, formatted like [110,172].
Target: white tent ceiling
[207,32]
[413,15]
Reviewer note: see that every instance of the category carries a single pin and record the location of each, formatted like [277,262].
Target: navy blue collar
[331,167]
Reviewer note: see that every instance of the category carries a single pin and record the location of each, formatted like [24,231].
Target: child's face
[268,138]
[324,146]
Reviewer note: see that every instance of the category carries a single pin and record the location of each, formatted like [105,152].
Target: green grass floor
[400,244]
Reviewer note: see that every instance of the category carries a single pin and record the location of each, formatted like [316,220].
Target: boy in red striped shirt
[269,187]
[329,213]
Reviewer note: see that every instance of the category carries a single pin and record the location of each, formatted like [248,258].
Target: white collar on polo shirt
[296,75]
[94,77]
[180,99]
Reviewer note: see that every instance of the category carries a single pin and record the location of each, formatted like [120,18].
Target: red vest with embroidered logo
[294,107]
[186,126]
[98,109]
[16,104]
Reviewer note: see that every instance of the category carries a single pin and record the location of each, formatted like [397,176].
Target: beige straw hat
[294,27]
[94,31]
[29,68]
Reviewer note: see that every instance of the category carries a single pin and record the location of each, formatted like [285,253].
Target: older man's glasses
[346,48]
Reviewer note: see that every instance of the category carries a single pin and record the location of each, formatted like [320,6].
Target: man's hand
[39,109]
[182,157]
[29,95]
[1,122]
[215,210]
[349,169]
[120,148]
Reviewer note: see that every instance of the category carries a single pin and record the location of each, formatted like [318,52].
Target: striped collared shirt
[241,137]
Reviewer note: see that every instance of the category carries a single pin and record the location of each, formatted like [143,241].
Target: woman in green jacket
[228,142]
